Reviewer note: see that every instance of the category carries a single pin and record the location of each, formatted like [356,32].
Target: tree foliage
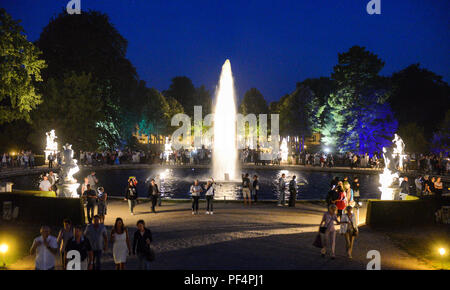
[421,95]
[20,68]
[253,103]
[358,117]
[74,109]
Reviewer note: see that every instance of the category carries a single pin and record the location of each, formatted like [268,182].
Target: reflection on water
[175,183]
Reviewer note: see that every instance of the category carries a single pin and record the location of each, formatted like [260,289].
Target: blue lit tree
[357,116]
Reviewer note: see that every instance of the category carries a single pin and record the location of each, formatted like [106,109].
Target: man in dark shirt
[91,197]
[141,245]
[153,193]
[82,245]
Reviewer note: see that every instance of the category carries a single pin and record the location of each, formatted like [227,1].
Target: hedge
[400,213]
[37,209]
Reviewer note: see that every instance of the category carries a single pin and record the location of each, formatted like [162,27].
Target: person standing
[355,188]
[418,182]
[81,244]
[246,189]
[438,188]
[141,245]
[45,248]
[341,203]
[328,230]
[92,180]
[210,191]
[255,187]
[153,193]
[196,189]
[404,186]
[64,235]
[292,191]
[50,159]
[131,195]
[102,196]
[45,185]
[98,239]
[349,228]
[282,190]
[121,244]
[91,198]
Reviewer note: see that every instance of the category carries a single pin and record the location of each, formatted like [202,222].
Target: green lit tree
[20,68]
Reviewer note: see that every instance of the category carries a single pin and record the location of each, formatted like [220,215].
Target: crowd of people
[24,159]
[91,243]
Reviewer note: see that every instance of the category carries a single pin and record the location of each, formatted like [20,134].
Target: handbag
[322,230]
[318,242]
[150,255]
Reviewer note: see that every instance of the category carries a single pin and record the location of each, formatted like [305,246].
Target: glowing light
[284,150]
[442,251]
[327,150]
[399,150]
[167,149]
[4,248]
[52,145]
[224,150]
[387,178]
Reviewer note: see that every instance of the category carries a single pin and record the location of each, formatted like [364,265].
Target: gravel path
[261,237]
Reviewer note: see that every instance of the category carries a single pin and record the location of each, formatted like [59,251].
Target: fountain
[390,173]
[284,150]
[225,147]
[68,184]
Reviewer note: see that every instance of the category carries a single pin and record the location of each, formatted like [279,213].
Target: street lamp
[3,249]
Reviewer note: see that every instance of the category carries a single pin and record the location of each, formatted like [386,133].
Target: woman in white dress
[121,244]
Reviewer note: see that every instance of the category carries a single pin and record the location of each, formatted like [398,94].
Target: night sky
[272,45]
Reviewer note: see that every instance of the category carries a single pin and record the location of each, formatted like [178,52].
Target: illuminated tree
[20,68]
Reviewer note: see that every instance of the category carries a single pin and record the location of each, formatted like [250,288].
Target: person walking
[98,239]
[255,187]
[328,230]
[153,193]
[45,248]
[80,244]
[246,189]
[102,196]
[341,203]
[64,235]
[210,191]
[141,245]
[121,244]
[292,191]
[91,198]
[349,228]
[131,195]
[196,189]
[282,190]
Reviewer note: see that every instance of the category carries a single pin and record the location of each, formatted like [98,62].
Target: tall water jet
[224,150]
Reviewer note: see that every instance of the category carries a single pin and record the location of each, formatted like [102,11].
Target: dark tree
[89,43]
[253,103]
[420,96]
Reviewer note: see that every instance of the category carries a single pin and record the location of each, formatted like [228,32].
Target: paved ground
[261,237]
